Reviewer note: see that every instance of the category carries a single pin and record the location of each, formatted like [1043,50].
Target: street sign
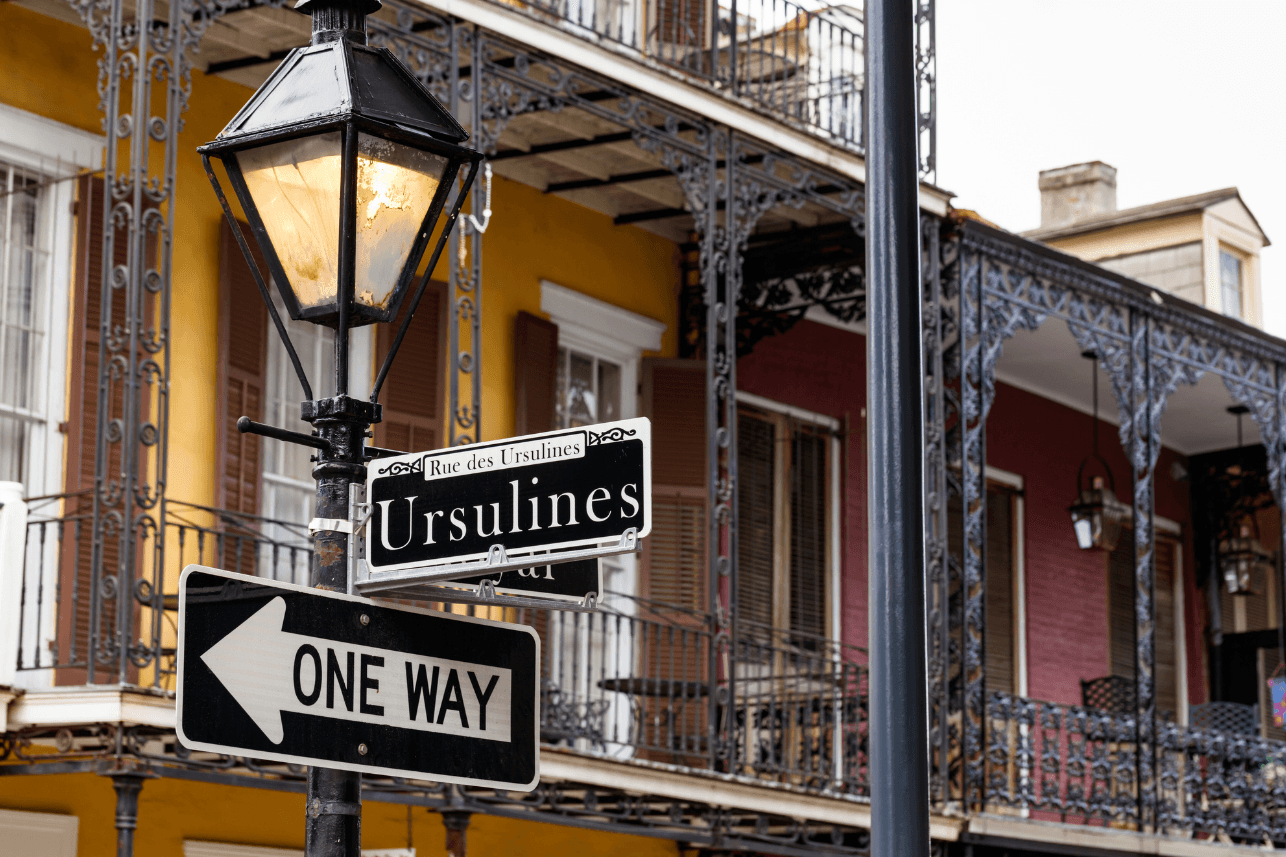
[573,493]
[282,672]
[563,581]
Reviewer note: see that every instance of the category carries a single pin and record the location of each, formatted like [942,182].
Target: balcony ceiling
[1048,362]
[569,153]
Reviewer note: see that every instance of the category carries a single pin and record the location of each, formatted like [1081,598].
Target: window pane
[581,403]
[23,271]
[288,488]
[609,392]
[1230,283]
[560,391]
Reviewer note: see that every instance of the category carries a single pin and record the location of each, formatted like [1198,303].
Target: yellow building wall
[534,237]
[1132,237]
[171,811]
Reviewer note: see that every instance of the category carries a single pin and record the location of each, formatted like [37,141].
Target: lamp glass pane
[395,186]
[295,186]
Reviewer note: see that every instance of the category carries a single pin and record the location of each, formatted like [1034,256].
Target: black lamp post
[343,163]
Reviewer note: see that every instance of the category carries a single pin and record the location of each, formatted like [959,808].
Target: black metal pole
[899,763]
[127,782]
[333,819]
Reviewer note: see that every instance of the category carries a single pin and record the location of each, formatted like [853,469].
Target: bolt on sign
[282,672]
[550,492]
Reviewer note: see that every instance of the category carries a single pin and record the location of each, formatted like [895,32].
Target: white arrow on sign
[269,671]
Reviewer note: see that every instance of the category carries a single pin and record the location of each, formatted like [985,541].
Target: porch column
[937,560]
[1147,397]
[127,782]
[898,698]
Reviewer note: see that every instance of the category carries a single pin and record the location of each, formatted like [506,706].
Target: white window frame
[58,152]
[610,333]
[201,848]
[604,331]
[39,834]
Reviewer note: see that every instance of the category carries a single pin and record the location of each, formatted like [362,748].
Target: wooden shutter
[412,392]
[756,520]
[82,425]
[243,345]
[1167,679]
[809,542]
[674,556]
[535,373]
[1120,602]
[1000,591]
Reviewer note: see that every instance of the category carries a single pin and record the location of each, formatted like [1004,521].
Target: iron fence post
[898,696]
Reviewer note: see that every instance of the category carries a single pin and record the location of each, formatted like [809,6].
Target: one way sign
[276,671]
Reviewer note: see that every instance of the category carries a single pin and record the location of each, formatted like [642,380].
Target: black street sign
[544,492]
[276,671]
[566,581]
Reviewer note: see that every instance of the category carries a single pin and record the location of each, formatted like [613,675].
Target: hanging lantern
[1097,516]
[1244,562]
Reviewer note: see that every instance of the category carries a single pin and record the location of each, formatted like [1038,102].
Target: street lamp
[343,163]
[1244,562]
[1097,516]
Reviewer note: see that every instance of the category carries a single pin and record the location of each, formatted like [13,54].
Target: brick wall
[1044,442]
[823,369]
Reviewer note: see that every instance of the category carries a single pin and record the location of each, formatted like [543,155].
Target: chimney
[1075,193]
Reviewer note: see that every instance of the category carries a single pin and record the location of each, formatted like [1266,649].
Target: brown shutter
[535,373]
[809,544]
[1120,598]
[756,521]
[1167,698]
[243,345]
[674,556]
[672,726]
[82,423]
[1000,591]
[412,392]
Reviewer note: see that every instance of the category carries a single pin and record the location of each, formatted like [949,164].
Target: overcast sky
[1180,96]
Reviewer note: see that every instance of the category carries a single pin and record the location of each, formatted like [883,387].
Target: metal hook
[481,225]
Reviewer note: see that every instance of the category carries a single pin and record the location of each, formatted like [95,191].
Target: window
[24,322]
[39,159]
[587,389]
[785,522]
[1168,631]
[289,491]
[1230,283]
[38,834]
[1005,619]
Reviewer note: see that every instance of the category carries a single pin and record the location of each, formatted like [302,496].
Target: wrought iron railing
[636,680]
[800,61]
[640,680]
[1079,765]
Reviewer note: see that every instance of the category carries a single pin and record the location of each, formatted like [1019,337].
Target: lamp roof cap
[339,80]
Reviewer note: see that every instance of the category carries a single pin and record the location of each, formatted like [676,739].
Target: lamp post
[343,164]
